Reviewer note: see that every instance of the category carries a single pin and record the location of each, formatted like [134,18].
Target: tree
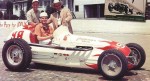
[22,15]
[6,16]
[9,7]
[1,15]
[50,10]
[14,17]
[29,3]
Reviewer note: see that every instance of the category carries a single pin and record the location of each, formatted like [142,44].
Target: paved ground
[57,73]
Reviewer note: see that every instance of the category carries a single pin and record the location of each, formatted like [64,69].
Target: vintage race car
[110,58]
[120,7]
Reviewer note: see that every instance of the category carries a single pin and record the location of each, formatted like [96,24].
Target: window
[46,3]
[16,7]
[76,8]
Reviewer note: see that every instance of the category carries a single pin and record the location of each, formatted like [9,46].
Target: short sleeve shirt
[41,32]
[32,16]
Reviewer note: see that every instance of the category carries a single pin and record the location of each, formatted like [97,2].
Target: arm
[29,19]
[38,33]
[69,16]
[70,29]
[32,24]
[68,20]
[51,29]
[50,19]
[44,38]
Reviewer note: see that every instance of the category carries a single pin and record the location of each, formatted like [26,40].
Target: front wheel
[110,7]
[137,55]
[112,64]
[16,54]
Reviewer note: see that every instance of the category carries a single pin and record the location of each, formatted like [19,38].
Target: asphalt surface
[58,73]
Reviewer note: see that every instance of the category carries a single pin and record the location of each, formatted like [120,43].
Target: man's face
[43,19]
[57,6]
[35,5]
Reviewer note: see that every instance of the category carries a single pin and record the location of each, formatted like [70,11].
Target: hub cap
[111,65]
[14,55]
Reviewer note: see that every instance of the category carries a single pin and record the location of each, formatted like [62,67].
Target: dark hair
[42,11]
[62,6]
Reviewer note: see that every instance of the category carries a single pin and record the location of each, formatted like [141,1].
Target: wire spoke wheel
[137,55]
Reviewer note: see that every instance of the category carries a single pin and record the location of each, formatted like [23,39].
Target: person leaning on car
[33,14]
[61,17]
[43,30]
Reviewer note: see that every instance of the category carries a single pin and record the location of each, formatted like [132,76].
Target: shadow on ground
[131,73]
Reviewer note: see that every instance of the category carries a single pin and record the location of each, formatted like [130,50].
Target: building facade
[89,8]
[2,6]
[147,11]
[18,6]
[80,8]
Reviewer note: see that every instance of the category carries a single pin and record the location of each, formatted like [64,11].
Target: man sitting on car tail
[61,17]
[44,31]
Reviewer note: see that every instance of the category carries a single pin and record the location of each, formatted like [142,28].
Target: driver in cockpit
[44,31]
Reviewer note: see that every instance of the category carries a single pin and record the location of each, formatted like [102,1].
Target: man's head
[57,4]
[43,17]
[35,5]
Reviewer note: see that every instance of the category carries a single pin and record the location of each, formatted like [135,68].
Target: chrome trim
[77,48]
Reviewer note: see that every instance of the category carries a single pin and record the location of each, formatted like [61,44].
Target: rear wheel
[112,64]
[126,9]
[131,11]
[16,54]
[137,55]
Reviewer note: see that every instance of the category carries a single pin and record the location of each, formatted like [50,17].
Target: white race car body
[66,49]
[57,54]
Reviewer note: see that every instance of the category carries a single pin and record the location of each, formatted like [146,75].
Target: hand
[35,24]
[51,36]
[65,22]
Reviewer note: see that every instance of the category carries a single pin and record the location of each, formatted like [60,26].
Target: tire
[16,54]
[121,8]
[39,64]
[131,11]
[112,64]
[138,53]
[110,7]
[126,9]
